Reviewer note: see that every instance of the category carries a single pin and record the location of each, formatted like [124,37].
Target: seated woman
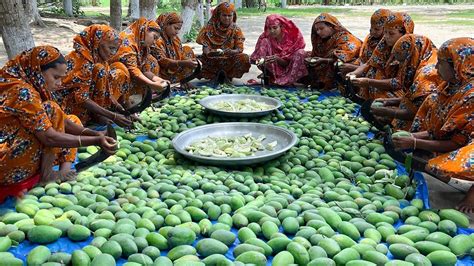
[93,89]
[281,45]
[416,73]
[377,21]
[134,53]
[332,43]
[34,131]
[222,46]
[375,78]
[445,121]
[176,61]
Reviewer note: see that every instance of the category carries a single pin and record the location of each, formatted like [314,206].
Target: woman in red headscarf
[134,53]
[445,121]
[93,88]
[223,45]
[377,21]
[281,46]
[416,74]
[332,43]
[376,78]
[34,131]
[176,61]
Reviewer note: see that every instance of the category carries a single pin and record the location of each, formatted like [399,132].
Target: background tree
[148,9]
[67,6]
[116,14]
[32,12]
[15,27]
[200,13]
[133,9]
[187,14]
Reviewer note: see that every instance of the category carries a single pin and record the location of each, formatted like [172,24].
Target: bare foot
[47,162]
[467,203]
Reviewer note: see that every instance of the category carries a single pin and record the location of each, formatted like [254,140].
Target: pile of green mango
[333,199]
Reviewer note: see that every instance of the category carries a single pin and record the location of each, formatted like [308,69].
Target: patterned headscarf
[292,37]
[328,18]
[214,33]
[379,17]
[168,18]
[87,42]
[459,52]
[415,49]
[400,21]
[134,36]
[26,67]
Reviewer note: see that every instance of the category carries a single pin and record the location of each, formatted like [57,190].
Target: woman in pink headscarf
[281,46]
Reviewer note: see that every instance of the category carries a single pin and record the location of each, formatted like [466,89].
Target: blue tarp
[66,245]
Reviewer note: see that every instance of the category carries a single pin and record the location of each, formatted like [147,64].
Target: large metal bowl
[285,140]
[209,101]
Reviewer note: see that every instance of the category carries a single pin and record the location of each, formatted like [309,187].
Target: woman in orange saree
[377,21]
[445,121]
[416,74]
[34,131]
[176,61]
[332,43]
[375,78]
[134,53]
[93,88]
[223,45]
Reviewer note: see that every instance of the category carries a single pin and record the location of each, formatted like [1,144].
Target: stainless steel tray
[210,100]
[284,137]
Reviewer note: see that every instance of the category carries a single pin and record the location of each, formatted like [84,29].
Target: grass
[291,12]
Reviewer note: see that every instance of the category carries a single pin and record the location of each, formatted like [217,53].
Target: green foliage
[192,35]
[76,8]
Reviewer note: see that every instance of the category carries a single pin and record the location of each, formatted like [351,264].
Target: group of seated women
[46,98]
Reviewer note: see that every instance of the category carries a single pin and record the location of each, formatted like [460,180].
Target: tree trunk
[148,9]
[208,10]
[67,6]
[283,3]
[134,9]
[36,15]
[238,4]
[116,14]
[14,27]
[250,3]
[187,14]
[200,13]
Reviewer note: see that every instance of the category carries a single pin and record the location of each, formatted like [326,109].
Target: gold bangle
[414,143]
[115,117]
[82,132]
[80,142]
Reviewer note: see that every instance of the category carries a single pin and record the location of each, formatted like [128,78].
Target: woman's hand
[122,120]
[360,82]
[382,111]
[190,63]
[404,143]
[346,68]
[271,59]
[230,52]
[108,144]
[389,101]
[159,84]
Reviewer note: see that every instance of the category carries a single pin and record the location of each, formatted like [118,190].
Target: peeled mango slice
[237,146]
[246,105]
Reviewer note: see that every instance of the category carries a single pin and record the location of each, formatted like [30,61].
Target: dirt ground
[429,21]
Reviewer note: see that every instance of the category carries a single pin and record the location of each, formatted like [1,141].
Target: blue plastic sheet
[66,245]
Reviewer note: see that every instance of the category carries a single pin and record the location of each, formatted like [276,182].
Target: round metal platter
[209,101]
[284,137]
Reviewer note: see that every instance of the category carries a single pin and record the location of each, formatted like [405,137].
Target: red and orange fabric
[416,73]
[89,77]
[449,113]
[26,108]
[290,47]
[341,46]
[378,63]
[168,50]
[378,19]
[134,54]
[215,36]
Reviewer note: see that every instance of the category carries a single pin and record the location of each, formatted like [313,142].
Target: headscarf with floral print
[26,67]
[214,33]
[459,52]
[134,37]
[378,19]
[87,42]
